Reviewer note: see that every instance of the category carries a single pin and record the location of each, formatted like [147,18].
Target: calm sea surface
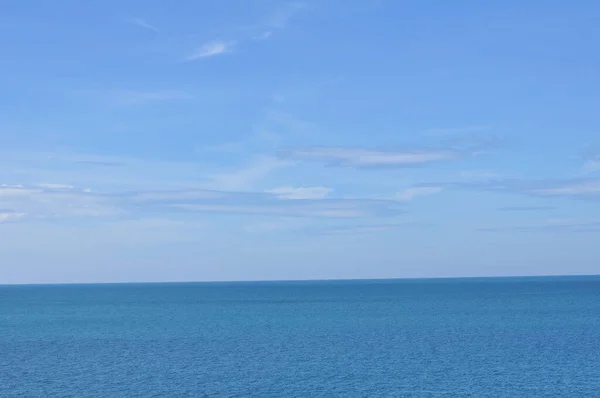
[513,337]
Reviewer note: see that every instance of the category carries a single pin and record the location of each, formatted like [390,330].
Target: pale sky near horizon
[253,140]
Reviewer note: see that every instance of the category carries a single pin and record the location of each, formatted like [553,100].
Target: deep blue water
[521,337]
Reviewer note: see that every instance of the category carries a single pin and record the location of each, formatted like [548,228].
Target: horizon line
[251,281]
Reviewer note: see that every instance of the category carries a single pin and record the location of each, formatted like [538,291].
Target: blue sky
[251,140]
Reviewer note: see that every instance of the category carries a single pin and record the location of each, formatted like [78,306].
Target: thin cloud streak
[246,177]
[6,217]
[278,19]
[364,229]
[526,208]
[264,36]
[7,191]
[141,22]
[211,49]
[569,188]
[56,203]
[583,189]
[411,193]
[301,193]
[560,225]
[362,157]
[315,210]
[479,175]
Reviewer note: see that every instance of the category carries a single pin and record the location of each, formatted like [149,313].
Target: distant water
[513,337]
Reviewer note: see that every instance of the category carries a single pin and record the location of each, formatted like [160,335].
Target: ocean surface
[497,337]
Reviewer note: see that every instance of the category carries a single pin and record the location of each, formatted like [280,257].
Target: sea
[473,337]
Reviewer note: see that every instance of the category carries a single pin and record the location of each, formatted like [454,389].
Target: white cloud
[288,192]
[44,201]
[210,49]
[7,217]
[411,193]
[56,186]
[364,157]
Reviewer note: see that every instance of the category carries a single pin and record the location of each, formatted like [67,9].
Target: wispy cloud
[591,166]
[211,49]
[362,157]
[263,36]
[591,159]
[50,201]
[411,193]
[311,209]
[300,193]
[58,187]
[552,225]
[580,189]
[365,228]
[569,188]
[142,23]
[277,19]
[10,216]
[267,204]
[473,144]
[47,203]
[245,177]
[124,172]
[279,224]
[526,208]
[7,191]
[479,175]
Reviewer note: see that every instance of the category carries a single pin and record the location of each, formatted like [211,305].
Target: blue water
[526,337]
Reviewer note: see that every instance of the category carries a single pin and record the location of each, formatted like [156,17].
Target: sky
[325,139]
